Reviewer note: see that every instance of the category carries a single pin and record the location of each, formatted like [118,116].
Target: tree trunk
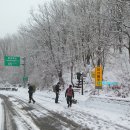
[61,78]
[88,59]
[60,74]
[128,43]
[72,66]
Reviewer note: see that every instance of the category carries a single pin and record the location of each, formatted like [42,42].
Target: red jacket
[69,92]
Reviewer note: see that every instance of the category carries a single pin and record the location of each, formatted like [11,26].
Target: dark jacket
[66,93]
[30,89]
[57,88]
[78,75]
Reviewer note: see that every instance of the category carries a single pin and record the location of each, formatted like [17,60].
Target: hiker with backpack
[69,93]
[31,91]
[57,89]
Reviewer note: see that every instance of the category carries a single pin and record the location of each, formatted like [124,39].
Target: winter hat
[58,83]
[70,86]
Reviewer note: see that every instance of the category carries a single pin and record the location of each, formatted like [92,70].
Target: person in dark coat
[69,93]
[30,91]
[57,89]
[78,77]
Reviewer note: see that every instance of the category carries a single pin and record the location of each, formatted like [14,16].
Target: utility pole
[24,71]
[24,59]
[82,84]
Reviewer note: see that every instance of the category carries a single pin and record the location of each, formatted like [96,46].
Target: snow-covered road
[94,113]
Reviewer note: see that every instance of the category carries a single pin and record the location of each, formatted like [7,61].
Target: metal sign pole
[24,71]
[82,85]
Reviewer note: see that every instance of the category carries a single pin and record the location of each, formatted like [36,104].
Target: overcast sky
[13,13]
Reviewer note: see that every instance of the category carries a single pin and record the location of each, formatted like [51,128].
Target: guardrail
[9,88]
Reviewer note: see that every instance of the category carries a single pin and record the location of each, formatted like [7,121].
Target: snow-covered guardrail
[111,98]
[9,88]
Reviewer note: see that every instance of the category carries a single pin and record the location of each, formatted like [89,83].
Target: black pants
[31,97]
[69,101]
[79,80]
[57,96]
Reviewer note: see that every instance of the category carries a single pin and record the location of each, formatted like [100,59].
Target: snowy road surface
[23,116]
[90,113]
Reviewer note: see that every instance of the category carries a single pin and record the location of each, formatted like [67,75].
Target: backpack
[34,88]
[69,92]
[54,88]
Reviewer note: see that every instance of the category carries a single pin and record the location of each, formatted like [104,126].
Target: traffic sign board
[11,61]
[25,78]
[98,77]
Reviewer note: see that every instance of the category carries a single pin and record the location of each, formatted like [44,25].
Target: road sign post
[11,61]
[25,78]
[82,84]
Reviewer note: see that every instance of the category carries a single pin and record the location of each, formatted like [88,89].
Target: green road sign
[11,61]
[25,78]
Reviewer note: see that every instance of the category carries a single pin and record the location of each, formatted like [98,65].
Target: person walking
[57,89]
[78,77]
[31,91]
[69,93]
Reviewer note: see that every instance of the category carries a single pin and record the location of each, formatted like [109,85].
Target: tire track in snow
[92,120]
[9,123]
[52,119]
[11,117]
[2,115]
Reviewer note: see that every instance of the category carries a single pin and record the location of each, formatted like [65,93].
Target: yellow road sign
[98,77]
